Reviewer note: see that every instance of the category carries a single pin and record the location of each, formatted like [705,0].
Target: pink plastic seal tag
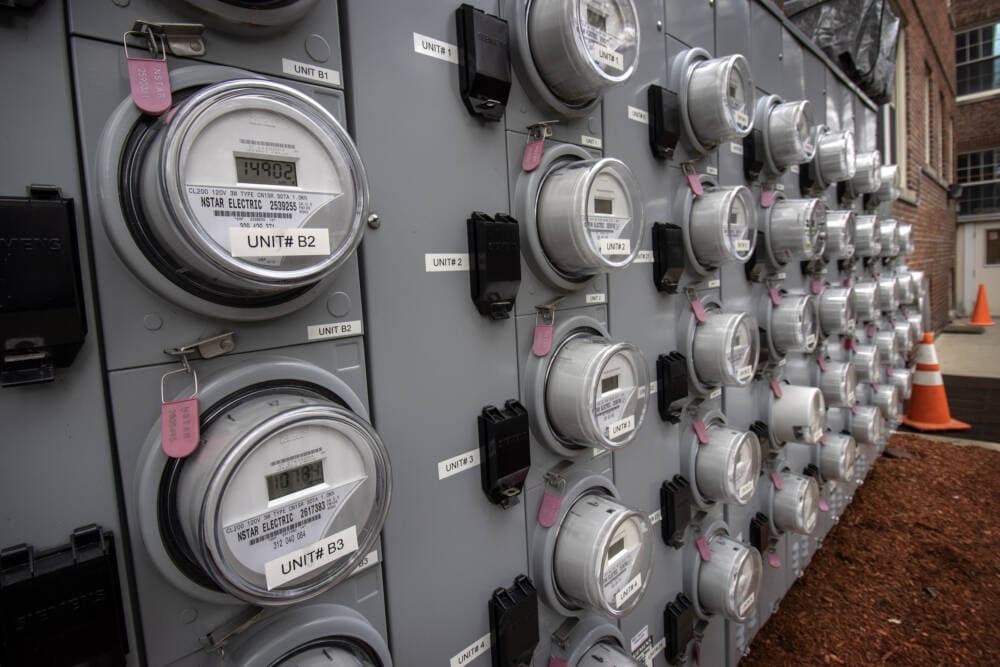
[817,286]
[541,342]
[179,428]
[549,510]
[850,343]
[696,653]
[774,295]
[694,182]
[823,505]
[701,432]
[870,331]
[773,560]
[890,370]
[854,409]
[822,439]
[847,282]
[776,388]
[698,308]
[766,197]
[874,387]
[149,82]
[703,548]
[532,155]
[822,363]
[776,480]
[557,662]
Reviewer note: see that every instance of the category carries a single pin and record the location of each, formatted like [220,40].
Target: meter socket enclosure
[717,98]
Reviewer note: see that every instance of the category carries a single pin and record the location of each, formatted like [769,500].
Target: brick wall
[970,13]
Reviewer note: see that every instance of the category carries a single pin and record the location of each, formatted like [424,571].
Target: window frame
[968,62]
[986,246]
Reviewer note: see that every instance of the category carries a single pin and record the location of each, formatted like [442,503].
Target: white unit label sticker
[446,261]
[303,561]
[715,393]
[435,48]
[742,119]
[711,171]
[612,247]
[608,57]
[715,282]
[621,427]
[278,242]
[638,115]
[597,298]
[652,387]
[311,72]
[592,142]
[742,245]
[644,257]
[656,517]
[780,187]
[639,638]
[477,648]
[457,464]
[794,169]
[630,589]
[745,373]
[334,330]
[735,148]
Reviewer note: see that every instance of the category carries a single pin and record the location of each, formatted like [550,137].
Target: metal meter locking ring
[590,217]
[240,203]
[868,426]
[835,159]
[904,336]
[595,391]
[907,287]
[792,325]
[727,466]
[867,175]
[888,190]
[579,48]
[721,227]
[839,235]
[867,236]
[885,343]
[717,98]
[903,379]
[798,415]
[786,133]
[795,504]
[238,15]
[838,457]
[837,314]
[839,383]
[866,301]
[887,293]
[724,349]
[916,321]
[889,237]
[906,243]
[286,493]
[607,654]
[886,399]
[794,229]
[729,582]
[867,363]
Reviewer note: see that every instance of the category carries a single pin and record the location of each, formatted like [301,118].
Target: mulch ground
[910,575]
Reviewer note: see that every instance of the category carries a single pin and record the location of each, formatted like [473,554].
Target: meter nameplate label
[811,340]
[597,298]
[310,72]
[319,554]
[630,589]
[621,427]
[780,187]
[435,48]
[457,464]
[794,169]
[711,171]
[652,387]
[370,559]
[334,330]
[643,257]
[591,142]
[716,393]
[638,115]
[477,648]
[272,536]
[656,517]
[715,282]
[742,119]
[613,247]
[748,603]
[608,57]
[745,489]
[742,245]
[278,242]
[745,373]
[735,148]
[446,261]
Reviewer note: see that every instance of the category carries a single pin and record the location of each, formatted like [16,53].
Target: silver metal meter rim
[868,425]
[837,312]
[887,400]
[838,457]
[885,343]
[721,99]
[607,654]
[792,325]
[721,227]
[902,378]
[888,190]
[839,383]
[865,301]
[798,415]
[794,229]
[867,363]
[581,47]
[887,293]
[867,175]
[839,235]
[590,217]
[727,466]
[789,137]
[681,70]
[725,349]
[867,236]
[239,15]
[906,243]
[795,506]
[835,156]
[905,340]
[603,554]
[729,583]
[596,391]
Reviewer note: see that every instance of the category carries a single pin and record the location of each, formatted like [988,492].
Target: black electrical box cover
[504,452]
[753,154]
[664,121]
[678,628]
[807,177]
[42,319]
[675,510]
[495,258]
[668,256]
[671,384]
[760,532]
[761,430]
[62,606]
[514,623]
[483,62]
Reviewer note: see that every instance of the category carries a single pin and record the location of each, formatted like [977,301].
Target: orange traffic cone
[981,313]
[928,402]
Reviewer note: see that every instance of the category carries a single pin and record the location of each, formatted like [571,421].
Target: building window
[993,246]
[979,174]
[977,53]
[892,119]
[928,161]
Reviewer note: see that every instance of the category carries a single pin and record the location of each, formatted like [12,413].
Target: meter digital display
[727,466]
[835,156]
[603,554]
[721,99]
[794,326]
[790,134]
[264,171]
[726,349]
[582,47]
[729,582]
[839,235]
[795,228]
[838,457]
[590,217]
[290,481]
[722,227]
[796,504]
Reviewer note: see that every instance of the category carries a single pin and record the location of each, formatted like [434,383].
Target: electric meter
[868,173]
[718,98]
[903,379]
[835,158]
[729,582]
[590,217]
[582,47]
[837,314]
[887,294]
[916,321]
[726,347]
[790,134]
[727,466]
[603,554]
[793,325]
[839,235]
[607,654]
[798,415]
[838,457]
[868,363]
[906,243]
[888,190]
[888,350]
[795,503]
[595,391]
[865,301]
[889,237]
[904,336]
[839,383]
[722,226]
[285,494]
[262,14]
[867,236]
[867,425]
[907,287]
[793,228]
[247,193]
[886,399]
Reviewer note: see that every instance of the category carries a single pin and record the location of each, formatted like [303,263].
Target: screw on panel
[659,26]
[374,221]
